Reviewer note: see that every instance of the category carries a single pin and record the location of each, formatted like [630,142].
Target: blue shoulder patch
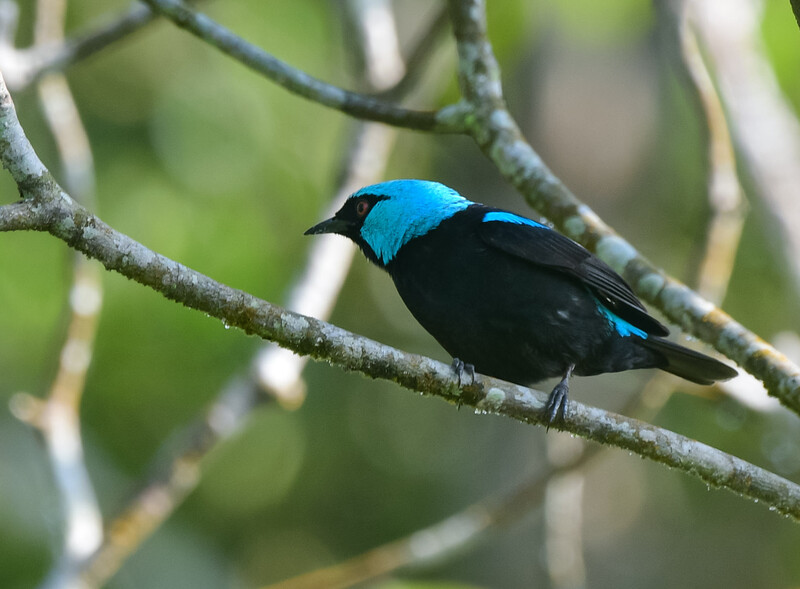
[409,209]
[506,217]
[624,329]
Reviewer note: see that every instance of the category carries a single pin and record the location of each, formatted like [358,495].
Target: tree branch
[52,210]
[308,336]
[726,197]
[498,135]
[352,103]
[438,542]
[727,200]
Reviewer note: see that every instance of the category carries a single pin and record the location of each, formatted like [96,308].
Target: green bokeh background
[213,166]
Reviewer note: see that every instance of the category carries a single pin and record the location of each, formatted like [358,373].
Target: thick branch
[352,103]
[499,137]
[55,212]
[317,339]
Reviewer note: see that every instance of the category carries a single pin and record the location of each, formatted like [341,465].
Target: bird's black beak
[332,225]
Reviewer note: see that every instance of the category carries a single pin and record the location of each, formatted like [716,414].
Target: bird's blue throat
[412,209]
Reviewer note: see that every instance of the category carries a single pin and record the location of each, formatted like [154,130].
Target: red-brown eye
[362,208]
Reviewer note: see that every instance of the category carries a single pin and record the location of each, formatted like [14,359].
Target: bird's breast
[511,319]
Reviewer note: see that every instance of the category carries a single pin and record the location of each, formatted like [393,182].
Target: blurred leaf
[257,468]
[211,139]
[609,22]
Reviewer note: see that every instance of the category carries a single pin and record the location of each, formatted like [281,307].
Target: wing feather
[542,246]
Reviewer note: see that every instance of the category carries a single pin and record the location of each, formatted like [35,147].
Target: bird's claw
[556,407]
[557,403]
[461,368]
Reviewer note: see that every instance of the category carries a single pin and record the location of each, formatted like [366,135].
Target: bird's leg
[461,368]
[557,402]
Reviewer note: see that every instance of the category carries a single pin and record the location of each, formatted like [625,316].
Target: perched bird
[505,295]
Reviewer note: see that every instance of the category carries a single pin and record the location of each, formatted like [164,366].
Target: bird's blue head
[383,217]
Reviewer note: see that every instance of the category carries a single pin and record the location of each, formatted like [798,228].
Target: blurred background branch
[23,67]
[765,125]
[357,105]
[442,541]
[58,416]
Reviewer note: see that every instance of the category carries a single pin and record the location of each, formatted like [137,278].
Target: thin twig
[352,103]
[278,370]
[562,504]
[442,540]
[170,484]
[729,207]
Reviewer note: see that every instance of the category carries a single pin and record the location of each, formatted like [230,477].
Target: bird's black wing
[544,247]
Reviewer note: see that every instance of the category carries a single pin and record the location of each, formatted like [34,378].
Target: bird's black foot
[461,369]
[557,403]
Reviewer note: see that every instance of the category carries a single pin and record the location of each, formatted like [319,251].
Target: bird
[508,296]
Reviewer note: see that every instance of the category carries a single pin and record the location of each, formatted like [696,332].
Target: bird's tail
[687,363]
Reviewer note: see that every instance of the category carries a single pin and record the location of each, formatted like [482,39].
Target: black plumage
[506,294]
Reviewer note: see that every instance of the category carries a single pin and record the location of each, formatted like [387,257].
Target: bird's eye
[362,208]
